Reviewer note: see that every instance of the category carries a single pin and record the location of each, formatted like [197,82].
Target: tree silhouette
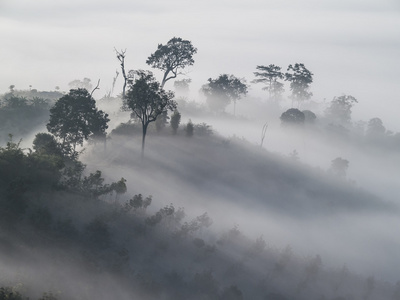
[292,116]
[128,77]
[172,57]
[340,109]
[339,167]
[300,79]
[147,100]
[74,117]
[269,75]
[223,90]
[375,128]
[175,121]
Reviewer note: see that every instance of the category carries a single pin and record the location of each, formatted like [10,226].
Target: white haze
[351,47]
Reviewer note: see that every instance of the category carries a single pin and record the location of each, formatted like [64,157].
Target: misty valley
[154,194]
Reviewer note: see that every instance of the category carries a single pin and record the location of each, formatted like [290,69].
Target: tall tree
[175,121]
[172,57]
[300,79]
[269,75]
[220,92]
[340,109]
[375,128]
[128,77]
[147,100]
[74,117]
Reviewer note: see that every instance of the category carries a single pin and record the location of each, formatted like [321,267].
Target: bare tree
[121,58]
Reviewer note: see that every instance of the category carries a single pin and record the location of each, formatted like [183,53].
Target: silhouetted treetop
[147,100]
[300,79]
[172,57]
[222,90]
[292,116]
[74,117]
[269,75]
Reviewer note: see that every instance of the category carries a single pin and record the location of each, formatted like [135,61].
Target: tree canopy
[147,100]
[74,117]
[172,57]
[340,109]
[300,79]
[269,75]
[220,92]
[292,116]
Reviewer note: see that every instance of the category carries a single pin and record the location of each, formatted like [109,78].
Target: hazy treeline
[87,242]
[203,215]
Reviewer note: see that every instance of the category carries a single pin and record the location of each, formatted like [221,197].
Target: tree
[175,121]
[300,79]
[375,128]
[161,121]
[310,117]
[292,116]
[127,77]
[74,117]
[269,75]
[189,128]
[45,143]
[339,167]
[340,109]
[147,100]
[222,91]
[81,84]
[182,87]
[172,57]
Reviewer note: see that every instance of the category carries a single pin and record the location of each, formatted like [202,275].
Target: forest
[150,192]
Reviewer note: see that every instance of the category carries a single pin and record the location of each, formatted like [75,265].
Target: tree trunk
[164,80]
[144,131]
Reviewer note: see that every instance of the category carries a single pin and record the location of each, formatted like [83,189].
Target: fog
[348,221]
[350,46]
[281,191]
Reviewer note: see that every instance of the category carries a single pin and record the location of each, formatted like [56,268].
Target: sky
[351,47]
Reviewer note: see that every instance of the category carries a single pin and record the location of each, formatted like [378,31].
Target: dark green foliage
[41,218]
[292,116]
[97,233]
[8,293]
[220,92]
[172,57]
[45,143]
[147,100]
[175,121]
[300,79]
[205,284]
[74,118]
[163,213]
[137,202]
[19,115]
[28,169]
[129,128]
